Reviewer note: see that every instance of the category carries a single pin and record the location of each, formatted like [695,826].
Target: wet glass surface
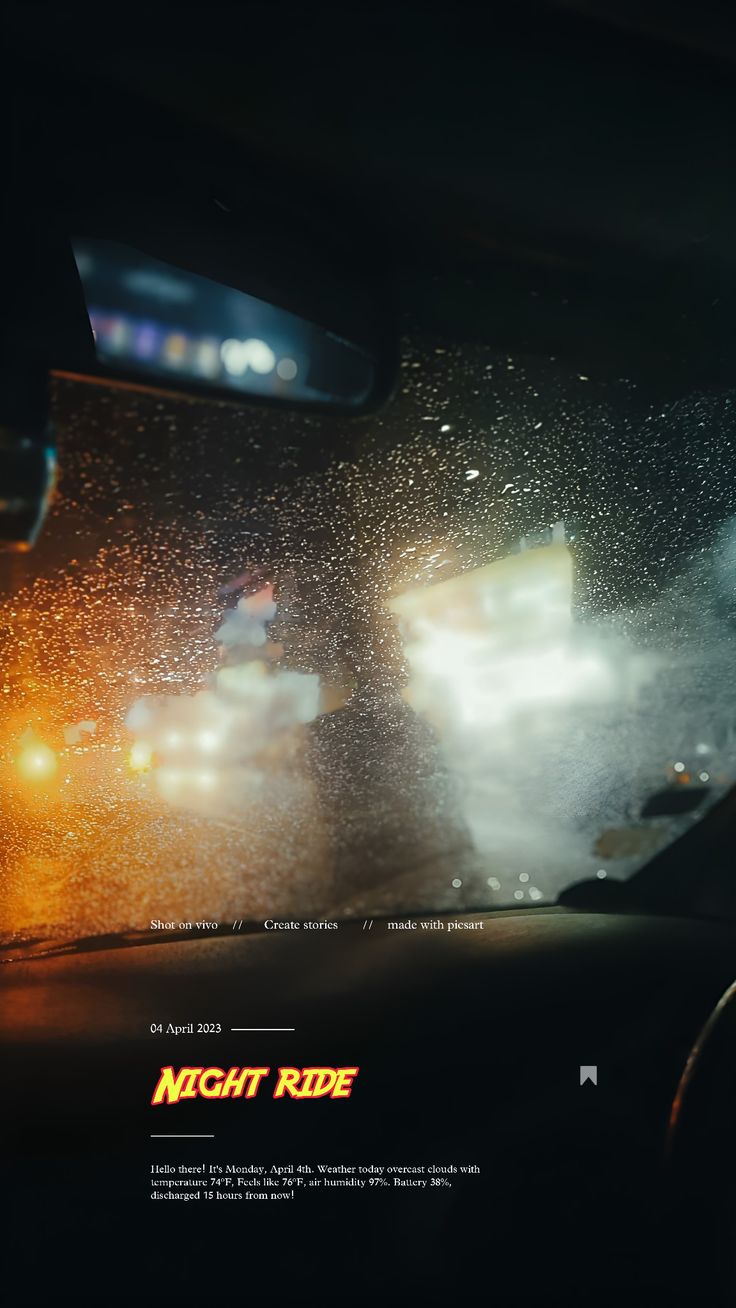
[261,663]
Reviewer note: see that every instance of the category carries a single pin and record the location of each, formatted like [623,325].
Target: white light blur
[498,644]
[208,740]
[237,356]
[169,781]
[287,369]
[207,361]
[517,692]
[260,356]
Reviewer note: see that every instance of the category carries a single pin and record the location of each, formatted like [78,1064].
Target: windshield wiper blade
[692,877]
[16,950]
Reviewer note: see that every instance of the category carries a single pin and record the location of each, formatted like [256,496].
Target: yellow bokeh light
[37,762]
[140,756]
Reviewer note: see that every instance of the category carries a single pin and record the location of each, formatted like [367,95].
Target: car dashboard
[543,1048]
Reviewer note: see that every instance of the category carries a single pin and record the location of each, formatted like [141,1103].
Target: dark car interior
[552,179]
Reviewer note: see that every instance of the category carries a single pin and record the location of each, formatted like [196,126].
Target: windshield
[462,654]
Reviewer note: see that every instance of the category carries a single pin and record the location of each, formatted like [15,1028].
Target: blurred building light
[498,641]
[208,741]
[140,756]
[169,781]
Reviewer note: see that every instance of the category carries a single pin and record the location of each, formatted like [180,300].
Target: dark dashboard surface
[470,1041]
[499,963]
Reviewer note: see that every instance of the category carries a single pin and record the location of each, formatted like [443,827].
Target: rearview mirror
[140,250]
[160,324]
